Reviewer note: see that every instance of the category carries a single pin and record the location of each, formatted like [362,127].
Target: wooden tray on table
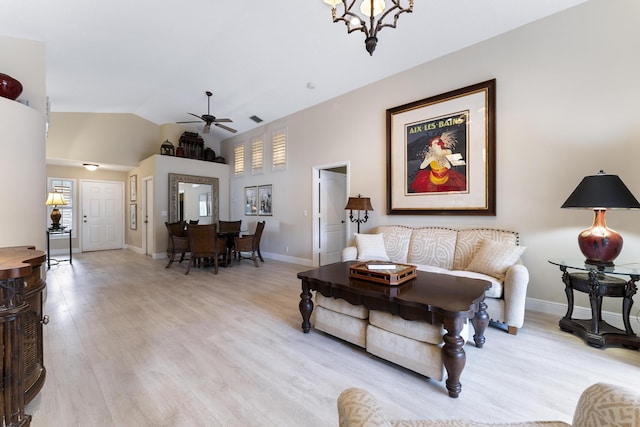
[388,273]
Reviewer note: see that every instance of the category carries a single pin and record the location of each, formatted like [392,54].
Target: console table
[21,287]
[599,282]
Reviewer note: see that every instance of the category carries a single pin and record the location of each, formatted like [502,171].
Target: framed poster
[133,216]
[133,188]
[264,200]
[441,154]
[251,200]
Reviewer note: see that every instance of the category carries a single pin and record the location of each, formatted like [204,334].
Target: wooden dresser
[22,283]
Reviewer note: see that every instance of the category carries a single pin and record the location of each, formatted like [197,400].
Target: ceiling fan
[208,119]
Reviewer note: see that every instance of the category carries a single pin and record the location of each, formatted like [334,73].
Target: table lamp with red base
[599,244]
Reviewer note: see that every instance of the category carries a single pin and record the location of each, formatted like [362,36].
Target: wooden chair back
[230,226]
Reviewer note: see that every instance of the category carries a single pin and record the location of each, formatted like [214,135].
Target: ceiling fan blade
[192,121]
[207,127]
[195,115]
[223,120]
[226,128]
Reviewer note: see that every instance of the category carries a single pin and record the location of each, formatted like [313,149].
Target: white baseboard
[285,258]
[559,310]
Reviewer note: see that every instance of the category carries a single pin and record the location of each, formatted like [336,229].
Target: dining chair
[178,241]
[248,246]
[205,245]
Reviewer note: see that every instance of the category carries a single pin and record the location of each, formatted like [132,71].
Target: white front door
[102,215]
[333,196]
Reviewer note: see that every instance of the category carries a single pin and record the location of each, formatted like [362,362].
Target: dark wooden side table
[599,283]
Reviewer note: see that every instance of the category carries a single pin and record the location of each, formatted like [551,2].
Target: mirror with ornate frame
[193,197]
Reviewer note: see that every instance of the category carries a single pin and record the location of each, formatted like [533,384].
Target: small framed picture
[133,216]
[264,200]
[251,200]
[133,188]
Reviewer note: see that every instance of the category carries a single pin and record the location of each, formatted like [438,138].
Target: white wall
[567,91]
[22,144]
[159,167]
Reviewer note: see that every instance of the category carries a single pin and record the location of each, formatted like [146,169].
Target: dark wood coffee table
[435,298]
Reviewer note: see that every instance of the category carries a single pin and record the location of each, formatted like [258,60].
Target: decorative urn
[9,87]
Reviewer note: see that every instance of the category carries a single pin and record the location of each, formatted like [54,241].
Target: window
[279,144]
[67,188]
[257,155]
[238,159]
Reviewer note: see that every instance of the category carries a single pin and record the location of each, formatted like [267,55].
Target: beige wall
[106,139]
[567,91]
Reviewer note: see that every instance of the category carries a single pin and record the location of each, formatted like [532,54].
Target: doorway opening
[330,225]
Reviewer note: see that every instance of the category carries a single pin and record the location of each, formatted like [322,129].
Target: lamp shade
[55,199]
[359,204]
[601,191]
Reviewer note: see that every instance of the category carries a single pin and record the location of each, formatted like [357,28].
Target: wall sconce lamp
[359,204]
[55,199]
[90,166]
[370,18]
[600,192]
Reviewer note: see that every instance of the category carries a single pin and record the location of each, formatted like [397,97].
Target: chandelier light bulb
[378,7]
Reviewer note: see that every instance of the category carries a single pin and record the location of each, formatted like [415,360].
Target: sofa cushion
[496,285]
[470,240]
[418,330]
[340,325]
[371,247]
[396,241]
[341,306]
[423,358]
[433,246]
[494,258]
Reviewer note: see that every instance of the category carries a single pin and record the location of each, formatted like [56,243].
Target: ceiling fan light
[378,7]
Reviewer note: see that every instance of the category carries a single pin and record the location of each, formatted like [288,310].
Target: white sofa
[416,344]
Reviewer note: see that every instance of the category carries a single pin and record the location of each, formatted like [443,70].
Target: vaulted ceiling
[265,58]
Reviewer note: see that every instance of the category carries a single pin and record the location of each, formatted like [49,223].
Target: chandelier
[371,17]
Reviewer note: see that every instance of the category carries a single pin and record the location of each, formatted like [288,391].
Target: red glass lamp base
[598,243]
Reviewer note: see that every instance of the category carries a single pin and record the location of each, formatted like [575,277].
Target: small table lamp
[600,192]
[55,199]
[359,204]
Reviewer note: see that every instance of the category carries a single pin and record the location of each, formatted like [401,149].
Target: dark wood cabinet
[22,283]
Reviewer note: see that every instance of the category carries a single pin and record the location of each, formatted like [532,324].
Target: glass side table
[599,282]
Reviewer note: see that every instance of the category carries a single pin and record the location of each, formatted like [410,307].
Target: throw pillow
[494,258]
[371,247]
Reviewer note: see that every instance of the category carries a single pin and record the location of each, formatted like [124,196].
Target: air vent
[256,119]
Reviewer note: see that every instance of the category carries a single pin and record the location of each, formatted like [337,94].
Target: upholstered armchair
[599,405]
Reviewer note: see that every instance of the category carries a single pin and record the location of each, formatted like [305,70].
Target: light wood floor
[131,343]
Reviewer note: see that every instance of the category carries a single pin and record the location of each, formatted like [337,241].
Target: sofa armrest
[350,253]
[358,408]
[515,294]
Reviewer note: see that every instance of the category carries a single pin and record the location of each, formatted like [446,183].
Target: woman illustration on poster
[441,169]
